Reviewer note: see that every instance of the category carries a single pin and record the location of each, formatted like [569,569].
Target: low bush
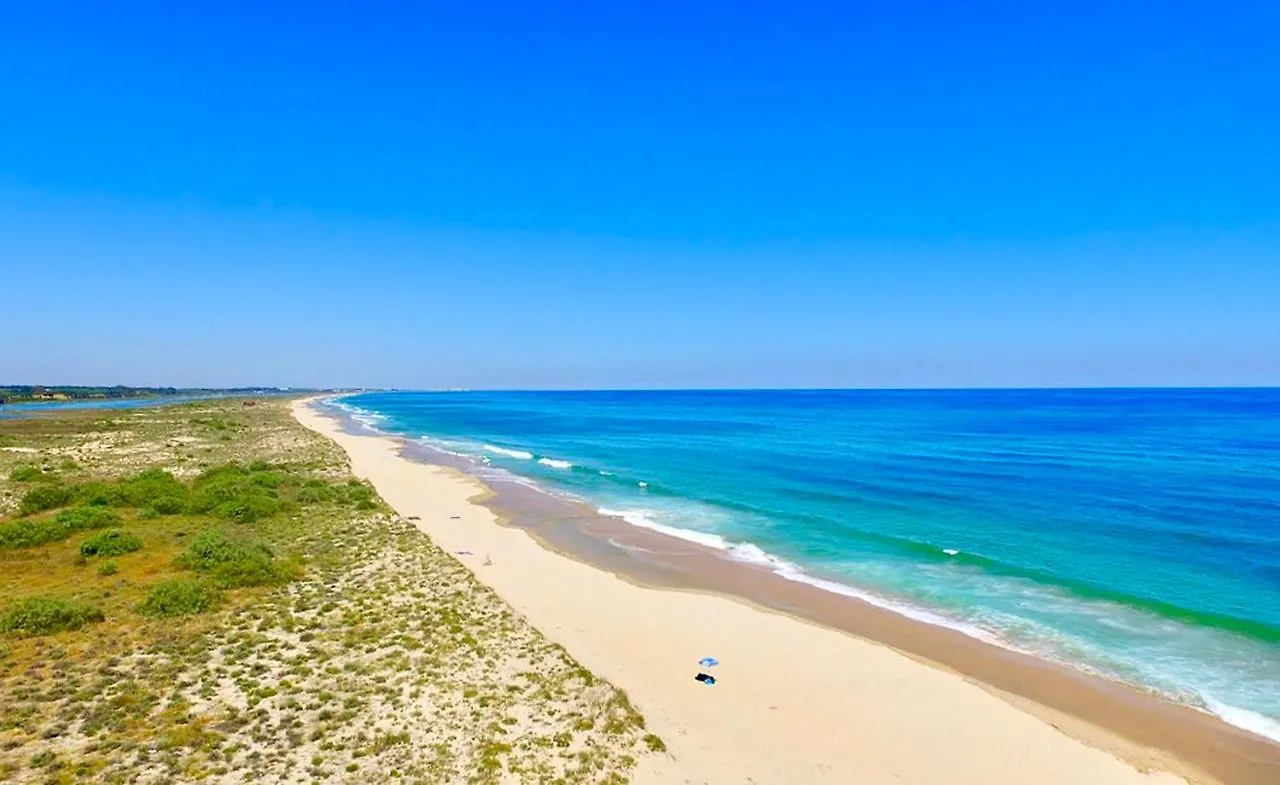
[146,488]
[108,568]
[168,505]
[230,564]
[86,518]
[358,494]
[26,473]
[235,493]
[29,534]
[249,508]
[98,494]
[25,533]
[207,550]
[112,542]
[256,570]
[180,597]
[45,497]
[313,494]
[45,615]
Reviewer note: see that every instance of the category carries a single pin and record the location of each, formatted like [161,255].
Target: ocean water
[1134,534]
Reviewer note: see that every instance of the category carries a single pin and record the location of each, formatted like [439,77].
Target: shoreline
[1150,733]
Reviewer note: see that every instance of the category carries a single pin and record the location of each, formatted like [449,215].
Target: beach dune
[794,702]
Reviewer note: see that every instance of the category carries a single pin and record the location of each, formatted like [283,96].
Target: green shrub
[46,497]
[256,570]
[86,518]
[144,489]
[207,550]
[110,543]
[237,494]
[267,479]
[29,534]
[311,494]
[231,565]
[44,615]
[108,568]
[169,505]
[98,494]
[180,597]
[248,508]
[26,473]
[355,493]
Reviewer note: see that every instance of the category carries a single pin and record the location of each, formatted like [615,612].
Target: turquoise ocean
[1134,534]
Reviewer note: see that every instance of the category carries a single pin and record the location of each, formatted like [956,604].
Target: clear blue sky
[640,194]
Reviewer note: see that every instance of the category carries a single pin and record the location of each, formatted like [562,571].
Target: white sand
[795,703]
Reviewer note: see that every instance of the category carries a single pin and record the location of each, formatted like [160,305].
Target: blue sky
[638,195]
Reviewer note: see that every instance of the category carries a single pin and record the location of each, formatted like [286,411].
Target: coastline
[938,705]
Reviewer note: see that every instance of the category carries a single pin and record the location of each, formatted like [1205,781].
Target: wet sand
[1147,732]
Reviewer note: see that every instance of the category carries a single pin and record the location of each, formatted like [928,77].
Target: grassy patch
[45,615]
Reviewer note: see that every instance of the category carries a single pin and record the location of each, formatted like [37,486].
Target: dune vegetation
[202,592]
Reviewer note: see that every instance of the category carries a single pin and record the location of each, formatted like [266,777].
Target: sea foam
[520,454]
[644,520]
[1251,721]
[555,463]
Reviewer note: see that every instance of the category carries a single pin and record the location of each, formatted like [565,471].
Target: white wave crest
[1243,718]
[555,463]
[521,454]
[368,419]
[750,553]
[642,519]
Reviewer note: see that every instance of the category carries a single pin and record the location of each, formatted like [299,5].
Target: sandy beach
[795,701]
